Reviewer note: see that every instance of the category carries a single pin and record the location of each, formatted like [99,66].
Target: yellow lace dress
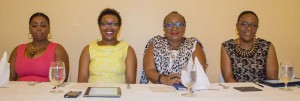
[107,64]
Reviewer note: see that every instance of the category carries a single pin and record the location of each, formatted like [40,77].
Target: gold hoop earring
[29,36]
[49,36]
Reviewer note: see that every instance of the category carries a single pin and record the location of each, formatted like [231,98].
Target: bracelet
[158,78]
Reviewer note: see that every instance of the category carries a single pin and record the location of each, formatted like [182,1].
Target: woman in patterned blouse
[165,56]
[248,58]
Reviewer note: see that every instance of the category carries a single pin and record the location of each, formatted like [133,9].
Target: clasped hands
[171,79]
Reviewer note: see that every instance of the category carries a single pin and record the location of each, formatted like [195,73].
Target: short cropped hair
[174,12]
[109,11]
[247,12]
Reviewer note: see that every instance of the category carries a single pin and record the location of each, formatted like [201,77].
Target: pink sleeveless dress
[36,69]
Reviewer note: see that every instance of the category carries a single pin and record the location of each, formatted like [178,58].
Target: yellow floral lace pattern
[107,64]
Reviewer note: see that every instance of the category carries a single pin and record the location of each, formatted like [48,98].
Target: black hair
[174,12]
[109,11]
[39,14]
[247,12]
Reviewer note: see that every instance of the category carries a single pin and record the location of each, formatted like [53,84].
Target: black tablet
[103,92]
[278,83]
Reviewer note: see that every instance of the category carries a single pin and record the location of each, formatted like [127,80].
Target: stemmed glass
[188,78]
[57,75]
[286,74]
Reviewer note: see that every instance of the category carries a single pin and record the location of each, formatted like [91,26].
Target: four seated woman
[244,59]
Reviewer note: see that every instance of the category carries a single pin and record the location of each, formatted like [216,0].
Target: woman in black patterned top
[166,55]
[248,58]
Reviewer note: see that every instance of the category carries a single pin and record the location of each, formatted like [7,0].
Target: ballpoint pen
[258,84]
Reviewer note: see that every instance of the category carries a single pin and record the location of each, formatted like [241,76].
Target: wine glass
[188,78]
[286,74]
[57,75]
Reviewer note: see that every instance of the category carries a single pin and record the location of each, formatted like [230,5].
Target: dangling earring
[29,36]
[49,36]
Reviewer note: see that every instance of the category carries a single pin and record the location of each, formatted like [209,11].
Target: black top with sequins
[247,69]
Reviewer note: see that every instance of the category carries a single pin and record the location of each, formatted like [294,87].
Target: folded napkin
[4,71]
[202,81]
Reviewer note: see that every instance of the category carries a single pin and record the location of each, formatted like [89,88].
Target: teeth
[248,33]
[109,33]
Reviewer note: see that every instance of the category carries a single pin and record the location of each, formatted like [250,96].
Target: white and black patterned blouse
[246,69]
[162,56]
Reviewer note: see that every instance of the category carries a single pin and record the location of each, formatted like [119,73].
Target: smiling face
[109,27]
[247,27]
[175,34]
[39,28]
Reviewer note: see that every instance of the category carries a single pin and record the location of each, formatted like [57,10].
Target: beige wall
[74,24]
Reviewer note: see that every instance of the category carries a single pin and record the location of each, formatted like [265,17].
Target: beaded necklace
[32,50]
[248,53]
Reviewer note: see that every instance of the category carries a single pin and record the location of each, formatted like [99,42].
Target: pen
[258,84]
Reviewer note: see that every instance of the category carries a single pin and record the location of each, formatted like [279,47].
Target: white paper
[202,80]
[4,71]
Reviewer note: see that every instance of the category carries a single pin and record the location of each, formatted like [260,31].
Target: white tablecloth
[22,91]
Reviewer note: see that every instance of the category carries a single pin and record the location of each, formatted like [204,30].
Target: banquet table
[23,91]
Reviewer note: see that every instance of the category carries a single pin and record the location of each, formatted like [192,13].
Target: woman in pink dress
[31,61]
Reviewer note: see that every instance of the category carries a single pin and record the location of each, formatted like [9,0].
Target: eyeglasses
[109,24]
[179,25]
[246,25]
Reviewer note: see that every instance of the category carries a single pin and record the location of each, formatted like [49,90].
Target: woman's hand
[170,79]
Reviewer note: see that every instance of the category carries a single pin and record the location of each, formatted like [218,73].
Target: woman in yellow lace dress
[108,61]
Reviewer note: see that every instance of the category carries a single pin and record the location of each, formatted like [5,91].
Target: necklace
[248,53]
[33,50]
[174,52]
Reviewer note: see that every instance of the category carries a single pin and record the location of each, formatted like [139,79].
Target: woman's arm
[62,55]
[272,64]
[131,66]
[200,55]
[226,67]
[12,61]
[151,71]
[84,62]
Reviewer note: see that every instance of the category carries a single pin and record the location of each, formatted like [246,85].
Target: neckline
[246,53]
[169,46]
[99,42]
[42,55]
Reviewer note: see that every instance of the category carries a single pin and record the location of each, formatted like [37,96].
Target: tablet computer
[278,83]
[103,92]
[247,89]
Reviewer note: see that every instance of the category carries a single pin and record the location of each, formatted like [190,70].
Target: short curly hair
[109,11]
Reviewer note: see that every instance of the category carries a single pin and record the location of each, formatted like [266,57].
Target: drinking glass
[286,74]
[188,78]
[57,75]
